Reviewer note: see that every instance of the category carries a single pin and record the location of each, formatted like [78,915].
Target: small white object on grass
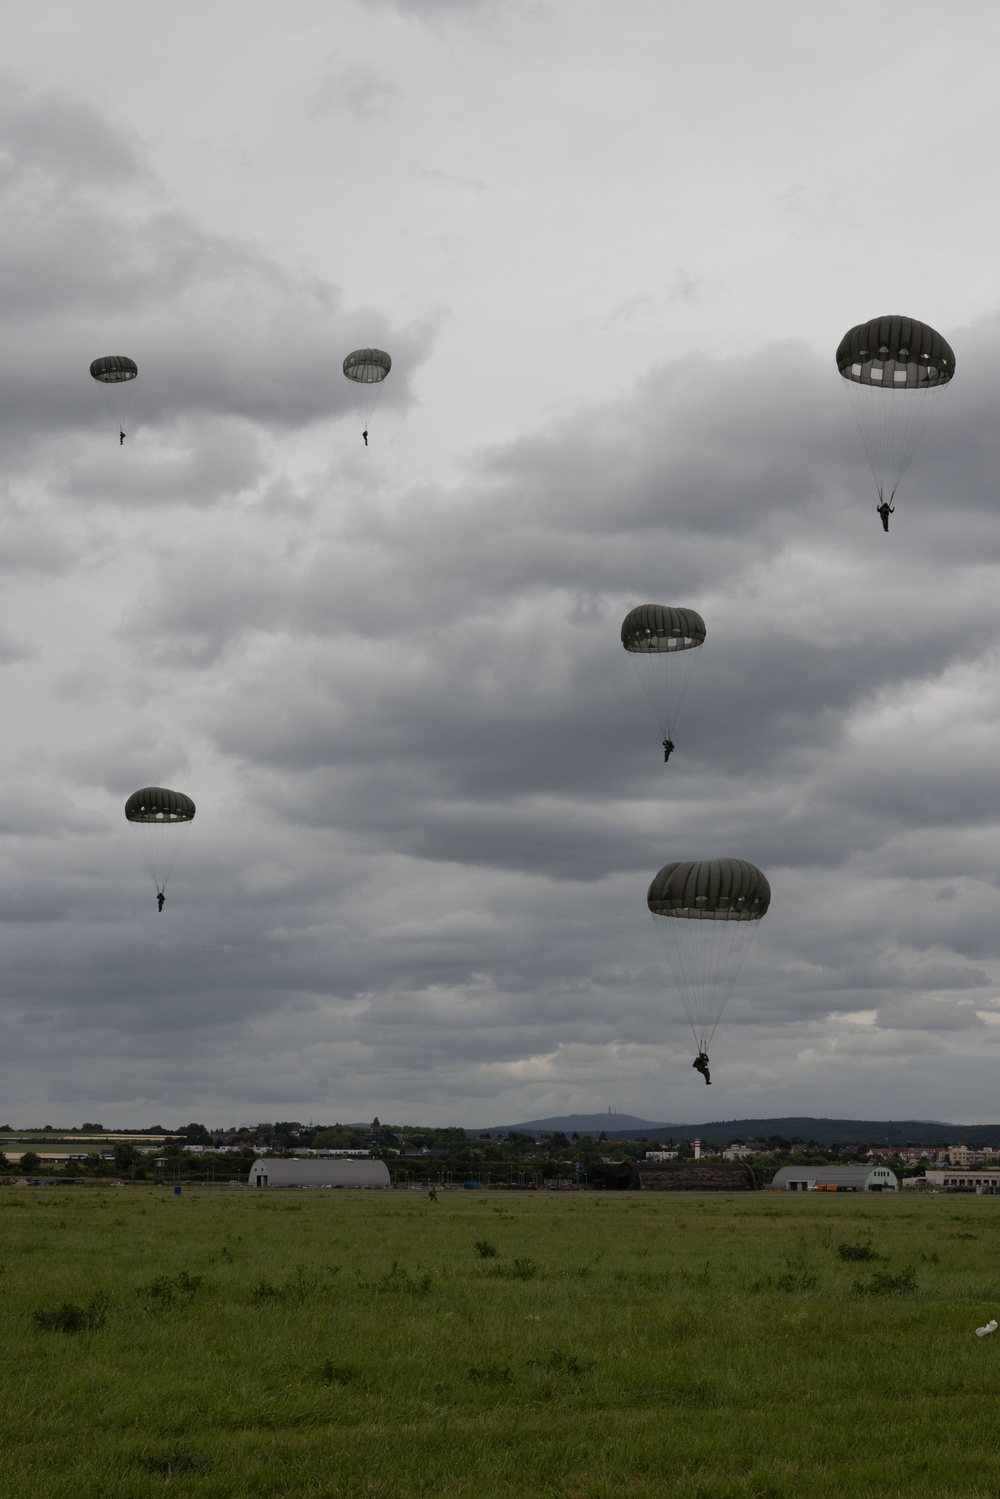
[982,1332]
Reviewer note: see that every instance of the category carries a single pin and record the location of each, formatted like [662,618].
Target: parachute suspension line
[891,423]
[118,399]
[910,429]
[705,958]
[160,844]
[663,684]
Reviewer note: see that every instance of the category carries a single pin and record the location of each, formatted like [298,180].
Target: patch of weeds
[266,1290]
[796,1280]
[166,1461]
[702,1277]
[340,1374]
[646,1280]
[399,1280]
[792,1280]
[299,1287]
[859,1251]
[485,1250]
[560,1362]
[226,1255]
[884,1284]
[73,1317]
[169,1290]
[522,1269]
[490,1374]
[583,1272]
[963,1236]
[931,1259]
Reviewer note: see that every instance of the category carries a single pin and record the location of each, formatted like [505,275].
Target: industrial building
[961,1180]
[339,1173]
[676,1176]
[835,1179]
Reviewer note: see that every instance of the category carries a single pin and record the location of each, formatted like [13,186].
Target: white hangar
[282,1173]
[835,1179]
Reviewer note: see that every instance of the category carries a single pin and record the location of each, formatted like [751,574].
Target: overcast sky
[611,250]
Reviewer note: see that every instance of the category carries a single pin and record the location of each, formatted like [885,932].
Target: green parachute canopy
[114,369]
[115,374]
[662,642]
[158,804]
[707,912]
[366,369]
[367,366]
[710,890]
[889,367]
[160,818]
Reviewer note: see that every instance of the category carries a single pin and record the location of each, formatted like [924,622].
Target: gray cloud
[217,328]
[430,795]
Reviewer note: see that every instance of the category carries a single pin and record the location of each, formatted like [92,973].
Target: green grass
[360,1344]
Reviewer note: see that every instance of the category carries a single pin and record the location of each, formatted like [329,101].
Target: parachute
[890,367]
[160,817]
[663,643]
[366,369]
[115,374]
[707,912]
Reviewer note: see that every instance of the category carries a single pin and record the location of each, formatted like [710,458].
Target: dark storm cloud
[446,681]
[458,682]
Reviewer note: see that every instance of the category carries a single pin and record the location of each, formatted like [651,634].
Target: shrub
[485,1250]
[400,1280]
[884,1284]
[858,1251]
[266,1290]
[490,1374]
[72,1317]
[796,1281]
[523,1269]
[166,1290]
[299,1287]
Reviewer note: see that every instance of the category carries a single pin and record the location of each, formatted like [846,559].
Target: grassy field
[367,1344]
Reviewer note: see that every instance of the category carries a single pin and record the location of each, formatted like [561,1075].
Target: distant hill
[822,1131]
[584,1124]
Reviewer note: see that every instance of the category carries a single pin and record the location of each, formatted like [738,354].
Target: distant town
[525,1157]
